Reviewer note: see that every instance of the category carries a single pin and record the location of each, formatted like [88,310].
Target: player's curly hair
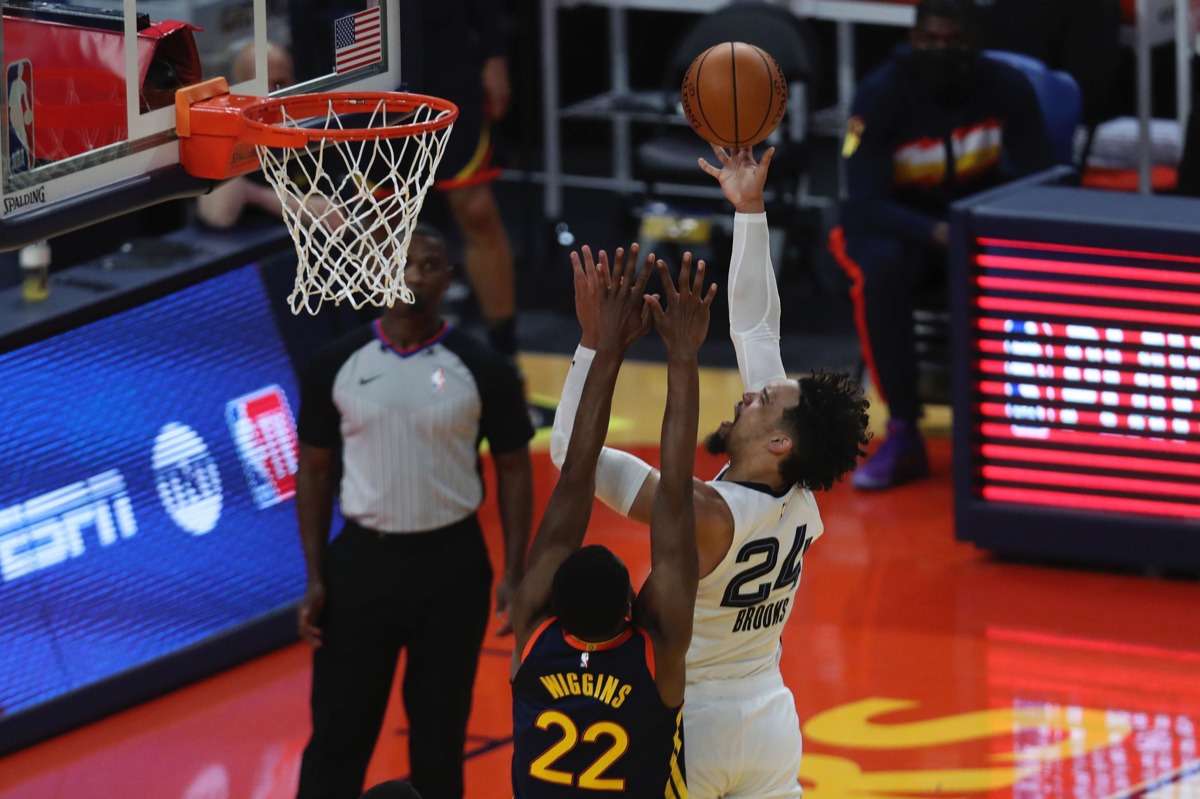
[828,428]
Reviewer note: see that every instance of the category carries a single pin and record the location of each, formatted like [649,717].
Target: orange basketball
[734,94]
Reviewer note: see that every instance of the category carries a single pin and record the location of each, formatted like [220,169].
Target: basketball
[734,94]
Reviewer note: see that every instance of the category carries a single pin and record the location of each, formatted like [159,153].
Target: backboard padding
[101,88]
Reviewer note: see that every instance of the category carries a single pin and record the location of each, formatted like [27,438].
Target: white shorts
[742,739]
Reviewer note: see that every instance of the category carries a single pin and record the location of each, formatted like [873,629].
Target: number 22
[592,777]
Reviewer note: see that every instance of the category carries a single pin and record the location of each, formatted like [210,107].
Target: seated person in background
[929,127]
[223,206]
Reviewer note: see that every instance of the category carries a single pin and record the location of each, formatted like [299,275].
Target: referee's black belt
[466,529]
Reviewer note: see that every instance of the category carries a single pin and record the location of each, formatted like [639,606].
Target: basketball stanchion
[351,170]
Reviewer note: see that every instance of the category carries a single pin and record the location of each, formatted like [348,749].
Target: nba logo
[265,433]
[438,381]
[19,94]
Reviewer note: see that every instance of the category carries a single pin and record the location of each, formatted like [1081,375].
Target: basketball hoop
[351,193]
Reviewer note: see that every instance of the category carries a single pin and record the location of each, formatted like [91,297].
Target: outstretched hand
[741,178]
[610,303]
[684,323]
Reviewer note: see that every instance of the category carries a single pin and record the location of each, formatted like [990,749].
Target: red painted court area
[921,667]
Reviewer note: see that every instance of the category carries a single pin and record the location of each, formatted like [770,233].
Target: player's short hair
[828,428]
[948,9]
[590,593]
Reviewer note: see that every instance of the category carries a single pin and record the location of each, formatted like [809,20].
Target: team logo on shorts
[262,426]
[438,381]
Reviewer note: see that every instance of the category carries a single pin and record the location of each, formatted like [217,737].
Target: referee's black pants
[427,593]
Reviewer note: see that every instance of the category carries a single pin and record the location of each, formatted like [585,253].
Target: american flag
[357,40]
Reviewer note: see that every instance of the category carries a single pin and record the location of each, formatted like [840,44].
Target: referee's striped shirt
[409,424]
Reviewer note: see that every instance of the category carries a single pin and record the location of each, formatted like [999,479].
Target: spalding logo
[688,99]
[188,481]
[780,88]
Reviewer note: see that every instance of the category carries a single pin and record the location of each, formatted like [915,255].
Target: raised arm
[753,294]
[624,482]
[667,600]
[619,475]
[624,318]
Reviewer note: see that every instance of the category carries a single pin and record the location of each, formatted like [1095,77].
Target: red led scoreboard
[1077,375]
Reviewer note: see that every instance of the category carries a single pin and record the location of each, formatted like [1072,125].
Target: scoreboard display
[1077,375]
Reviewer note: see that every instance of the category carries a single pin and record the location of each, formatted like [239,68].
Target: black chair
[669,156]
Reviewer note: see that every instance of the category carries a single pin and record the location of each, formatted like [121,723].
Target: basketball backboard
[88,99]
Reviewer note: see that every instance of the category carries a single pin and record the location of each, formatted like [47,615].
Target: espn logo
[48,529]
[265,433]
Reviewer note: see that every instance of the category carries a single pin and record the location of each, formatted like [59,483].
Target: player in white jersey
[754,521]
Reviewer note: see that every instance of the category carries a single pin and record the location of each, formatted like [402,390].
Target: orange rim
[264,123]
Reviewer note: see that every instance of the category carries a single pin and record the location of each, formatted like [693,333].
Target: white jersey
[742,606]
[742,729]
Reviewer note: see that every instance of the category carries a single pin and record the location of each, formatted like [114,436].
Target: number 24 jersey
[744,603]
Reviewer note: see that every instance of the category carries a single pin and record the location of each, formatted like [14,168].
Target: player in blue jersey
[597,673]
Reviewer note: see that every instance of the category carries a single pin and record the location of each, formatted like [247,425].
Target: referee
[405,402]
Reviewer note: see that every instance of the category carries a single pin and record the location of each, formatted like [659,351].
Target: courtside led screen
[1086,377]
[146,489]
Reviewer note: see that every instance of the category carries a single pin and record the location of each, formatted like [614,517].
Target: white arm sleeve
[619,475]
[754,303]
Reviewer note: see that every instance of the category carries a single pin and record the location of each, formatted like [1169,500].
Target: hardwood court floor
[921,667]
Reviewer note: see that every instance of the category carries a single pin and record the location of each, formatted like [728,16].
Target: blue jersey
[588,718]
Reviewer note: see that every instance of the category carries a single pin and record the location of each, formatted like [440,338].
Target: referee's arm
[315,486]
[319,431]
[506,426]
[514,488]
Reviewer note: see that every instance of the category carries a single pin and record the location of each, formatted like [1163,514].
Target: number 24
[789,575]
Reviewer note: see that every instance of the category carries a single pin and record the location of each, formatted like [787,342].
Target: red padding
[79,79]
[1162,178]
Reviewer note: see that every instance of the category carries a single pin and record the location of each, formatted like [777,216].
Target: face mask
[946,72]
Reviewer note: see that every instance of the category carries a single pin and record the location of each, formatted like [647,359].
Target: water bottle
[35,269]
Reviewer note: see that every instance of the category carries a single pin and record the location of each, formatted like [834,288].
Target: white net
[351,206]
